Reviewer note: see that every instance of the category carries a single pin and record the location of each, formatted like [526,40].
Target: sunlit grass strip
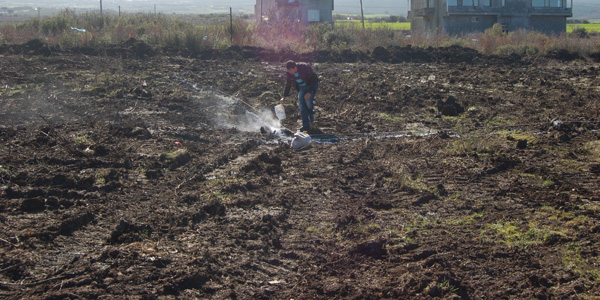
[406,25]
[389,117]
[573,259]
[512,235]
[375,25]
[588,27]
[593,149]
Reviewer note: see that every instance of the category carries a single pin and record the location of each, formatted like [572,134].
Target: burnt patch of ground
[439,174]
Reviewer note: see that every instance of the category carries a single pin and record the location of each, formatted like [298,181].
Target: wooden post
[362,15]
[231,24]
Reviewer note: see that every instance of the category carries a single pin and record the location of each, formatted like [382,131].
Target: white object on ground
[280,111]
[300,140]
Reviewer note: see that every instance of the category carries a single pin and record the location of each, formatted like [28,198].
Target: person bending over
[306,82]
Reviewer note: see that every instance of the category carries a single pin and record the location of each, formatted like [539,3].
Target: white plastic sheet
[300,140]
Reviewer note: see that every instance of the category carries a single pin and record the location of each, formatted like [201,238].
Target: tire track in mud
[307,241]
[326,206]
[232,167]
[277,267]
[254,226]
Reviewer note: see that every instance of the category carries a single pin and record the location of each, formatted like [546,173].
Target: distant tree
[577,21]
[580,32]
[395,19]
[391,19]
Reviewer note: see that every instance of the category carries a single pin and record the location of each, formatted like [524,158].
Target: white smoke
[231,113]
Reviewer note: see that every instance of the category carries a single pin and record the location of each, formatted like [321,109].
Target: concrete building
[454,17]
[306,11]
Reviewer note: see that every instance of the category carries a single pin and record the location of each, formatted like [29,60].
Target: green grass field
[406,25]
[375,25]
[588,27]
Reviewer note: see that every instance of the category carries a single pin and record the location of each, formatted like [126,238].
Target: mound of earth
[433,173]
[134,48]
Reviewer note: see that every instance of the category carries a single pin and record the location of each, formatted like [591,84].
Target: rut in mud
[440,173]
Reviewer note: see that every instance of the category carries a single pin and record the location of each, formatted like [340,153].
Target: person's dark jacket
[305,72]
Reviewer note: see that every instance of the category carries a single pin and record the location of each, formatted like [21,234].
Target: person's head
[290,65]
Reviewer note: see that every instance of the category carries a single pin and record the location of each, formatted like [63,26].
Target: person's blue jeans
[307,107]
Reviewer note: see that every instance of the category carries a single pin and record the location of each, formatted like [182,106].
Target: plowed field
[127,173]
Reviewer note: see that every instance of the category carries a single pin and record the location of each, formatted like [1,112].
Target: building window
[452,2]
[431,3]
[503,2]
[475,19]
[487,3]
[314,15]
[467,2]
[546,3]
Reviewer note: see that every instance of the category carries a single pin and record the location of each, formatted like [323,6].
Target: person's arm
[311,79]
[313,83]
[286,90]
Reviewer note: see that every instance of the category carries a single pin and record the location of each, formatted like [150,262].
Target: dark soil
[126,173]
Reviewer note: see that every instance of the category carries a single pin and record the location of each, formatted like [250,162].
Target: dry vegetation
[198,33]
